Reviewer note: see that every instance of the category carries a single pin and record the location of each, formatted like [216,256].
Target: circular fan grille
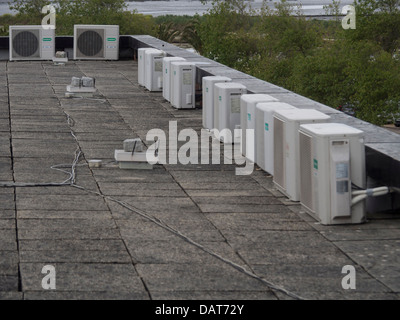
[25,44]
[90,43]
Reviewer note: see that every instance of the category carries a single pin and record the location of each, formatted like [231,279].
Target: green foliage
[190,33]
[378,21]
[32,8]
[317,59]
[226,33]
[167,32]
[69,13]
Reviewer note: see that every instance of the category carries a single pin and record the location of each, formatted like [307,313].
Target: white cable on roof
[360,195]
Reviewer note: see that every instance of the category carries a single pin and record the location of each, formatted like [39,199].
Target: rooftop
[174,232]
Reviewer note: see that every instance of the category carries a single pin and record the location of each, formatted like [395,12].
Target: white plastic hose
[362,194]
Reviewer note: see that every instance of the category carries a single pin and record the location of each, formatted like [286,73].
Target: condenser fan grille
[90,43]
[26,43]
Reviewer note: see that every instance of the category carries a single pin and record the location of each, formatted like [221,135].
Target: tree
[32,8]
[69,13]
[226,33]
[378,21]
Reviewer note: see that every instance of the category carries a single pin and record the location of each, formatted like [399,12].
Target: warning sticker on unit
[342,170]
[187,78]
[158,66]
[235,103]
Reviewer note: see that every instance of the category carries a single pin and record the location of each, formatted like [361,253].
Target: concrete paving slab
[147,231]
[7,224]
[75,256]
[193,277]
[69,234]
[8,283]
[71,245]
[7,214]
[63,214]
[213,295]
[93,295]
[11,295]
[79,277]
[179,251]
[58,202]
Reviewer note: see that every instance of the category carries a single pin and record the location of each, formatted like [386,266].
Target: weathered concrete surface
[102,250]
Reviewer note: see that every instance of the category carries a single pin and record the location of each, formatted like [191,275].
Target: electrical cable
[360,195]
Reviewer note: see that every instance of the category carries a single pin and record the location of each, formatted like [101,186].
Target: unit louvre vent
[26,43]
[279,153]
[306,189]
[90,43]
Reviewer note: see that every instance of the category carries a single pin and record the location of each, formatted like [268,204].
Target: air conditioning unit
[332,159]
[167,78]
[227,109]
[286,147]
[154,70]
[208,99]
[183,85]
[265,133]
[31,43]
[141,65]
[96,42]
[248,104]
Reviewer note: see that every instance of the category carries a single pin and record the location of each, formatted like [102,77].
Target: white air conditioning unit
[332,159]
[208,99]
[154,70]
[265,133]
[167,75]
[141,65]
[227,109]
[96,42]
[183,85]
[31,43]
[286,148]
[248,104]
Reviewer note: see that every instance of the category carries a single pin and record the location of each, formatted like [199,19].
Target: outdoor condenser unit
[31,43]
[141,65]
[167,78]
[248,104]
[183,85]
[286,148]
[153,70]
[332,159]
[227,109]
[96,42]
[265,133]
[208,99]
